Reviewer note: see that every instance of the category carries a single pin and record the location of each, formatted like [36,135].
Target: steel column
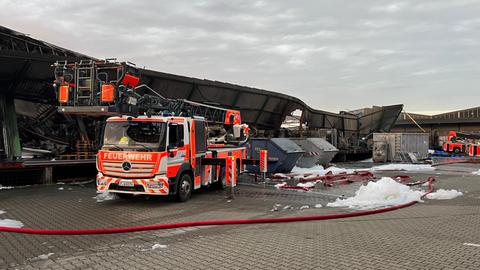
[9,128]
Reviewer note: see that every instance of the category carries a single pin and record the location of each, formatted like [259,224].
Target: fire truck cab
[161,155]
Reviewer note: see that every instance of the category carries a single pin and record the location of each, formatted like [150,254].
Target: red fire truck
[153,145]
[161,155]
[461,143]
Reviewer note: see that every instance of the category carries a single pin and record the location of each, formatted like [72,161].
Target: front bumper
[151,186]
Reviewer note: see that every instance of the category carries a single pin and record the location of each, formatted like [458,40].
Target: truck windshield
[141,136]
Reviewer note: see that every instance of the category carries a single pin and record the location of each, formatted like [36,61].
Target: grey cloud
[333,54]
[390,8]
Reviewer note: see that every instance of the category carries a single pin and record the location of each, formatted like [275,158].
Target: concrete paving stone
[429,235]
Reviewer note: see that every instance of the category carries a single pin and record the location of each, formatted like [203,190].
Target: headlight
[154,185]
[101,182]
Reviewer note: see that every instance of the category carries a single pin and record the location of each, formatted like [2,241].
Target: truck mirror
[169,150]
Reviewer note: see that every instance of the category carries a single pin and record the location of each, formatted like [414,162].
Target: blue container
[438,153]
[282,154]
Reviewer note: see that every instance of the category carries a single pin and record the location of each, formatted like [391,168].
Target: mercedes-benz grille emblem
[126,166]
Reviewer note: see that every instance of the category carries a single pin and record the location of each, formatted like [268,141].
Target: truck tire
[184,188]
[456,150]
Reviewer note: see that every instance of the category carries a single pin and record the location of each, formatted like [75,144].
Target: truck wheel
[456,150]
[184,188]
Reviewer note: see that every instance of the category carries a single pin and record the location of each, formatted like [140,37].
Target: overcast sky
[335,55]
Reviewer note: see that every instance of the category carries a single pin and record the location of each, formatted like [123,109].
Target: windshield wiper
[144,147]
[114,146]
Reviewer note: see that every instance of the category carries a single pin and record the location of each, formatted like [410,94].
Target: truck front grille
[138,169]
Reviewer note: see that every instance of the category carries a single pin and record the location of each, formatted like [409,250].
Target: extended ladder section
[84,83]
[111,88]
[107,87]
[94,87]
[211,114]
[464,135]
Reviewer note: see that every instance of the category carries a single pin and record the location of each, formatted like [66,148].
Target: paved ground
[429,235]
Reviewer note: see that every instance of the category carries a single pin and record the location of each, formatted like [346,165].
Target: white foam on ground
[45,256]
[385,192]
[318,205]
[276,207]
[307,184]
[403,167]
[5,187]
[320,171]
[9,222]
[304,207]
[158,246]
[443,194]
[280,185]
[476,173]
[104,196]
[281,175]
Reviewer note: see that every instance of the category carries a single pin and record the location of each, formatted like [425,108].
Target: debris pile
[307,181]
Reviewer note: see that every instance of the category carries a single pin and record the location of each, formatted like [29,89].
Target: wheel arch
[184,168]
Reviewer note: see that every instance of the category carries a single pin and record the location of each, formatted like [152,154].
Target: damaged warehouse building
[37,137]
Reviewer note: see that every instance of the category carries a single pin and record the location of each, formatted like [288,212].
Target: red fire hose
[328,180]
[211,222]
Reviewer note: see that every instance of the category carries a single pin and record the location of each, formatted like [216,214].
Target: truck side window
[180,135]
[175,135]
